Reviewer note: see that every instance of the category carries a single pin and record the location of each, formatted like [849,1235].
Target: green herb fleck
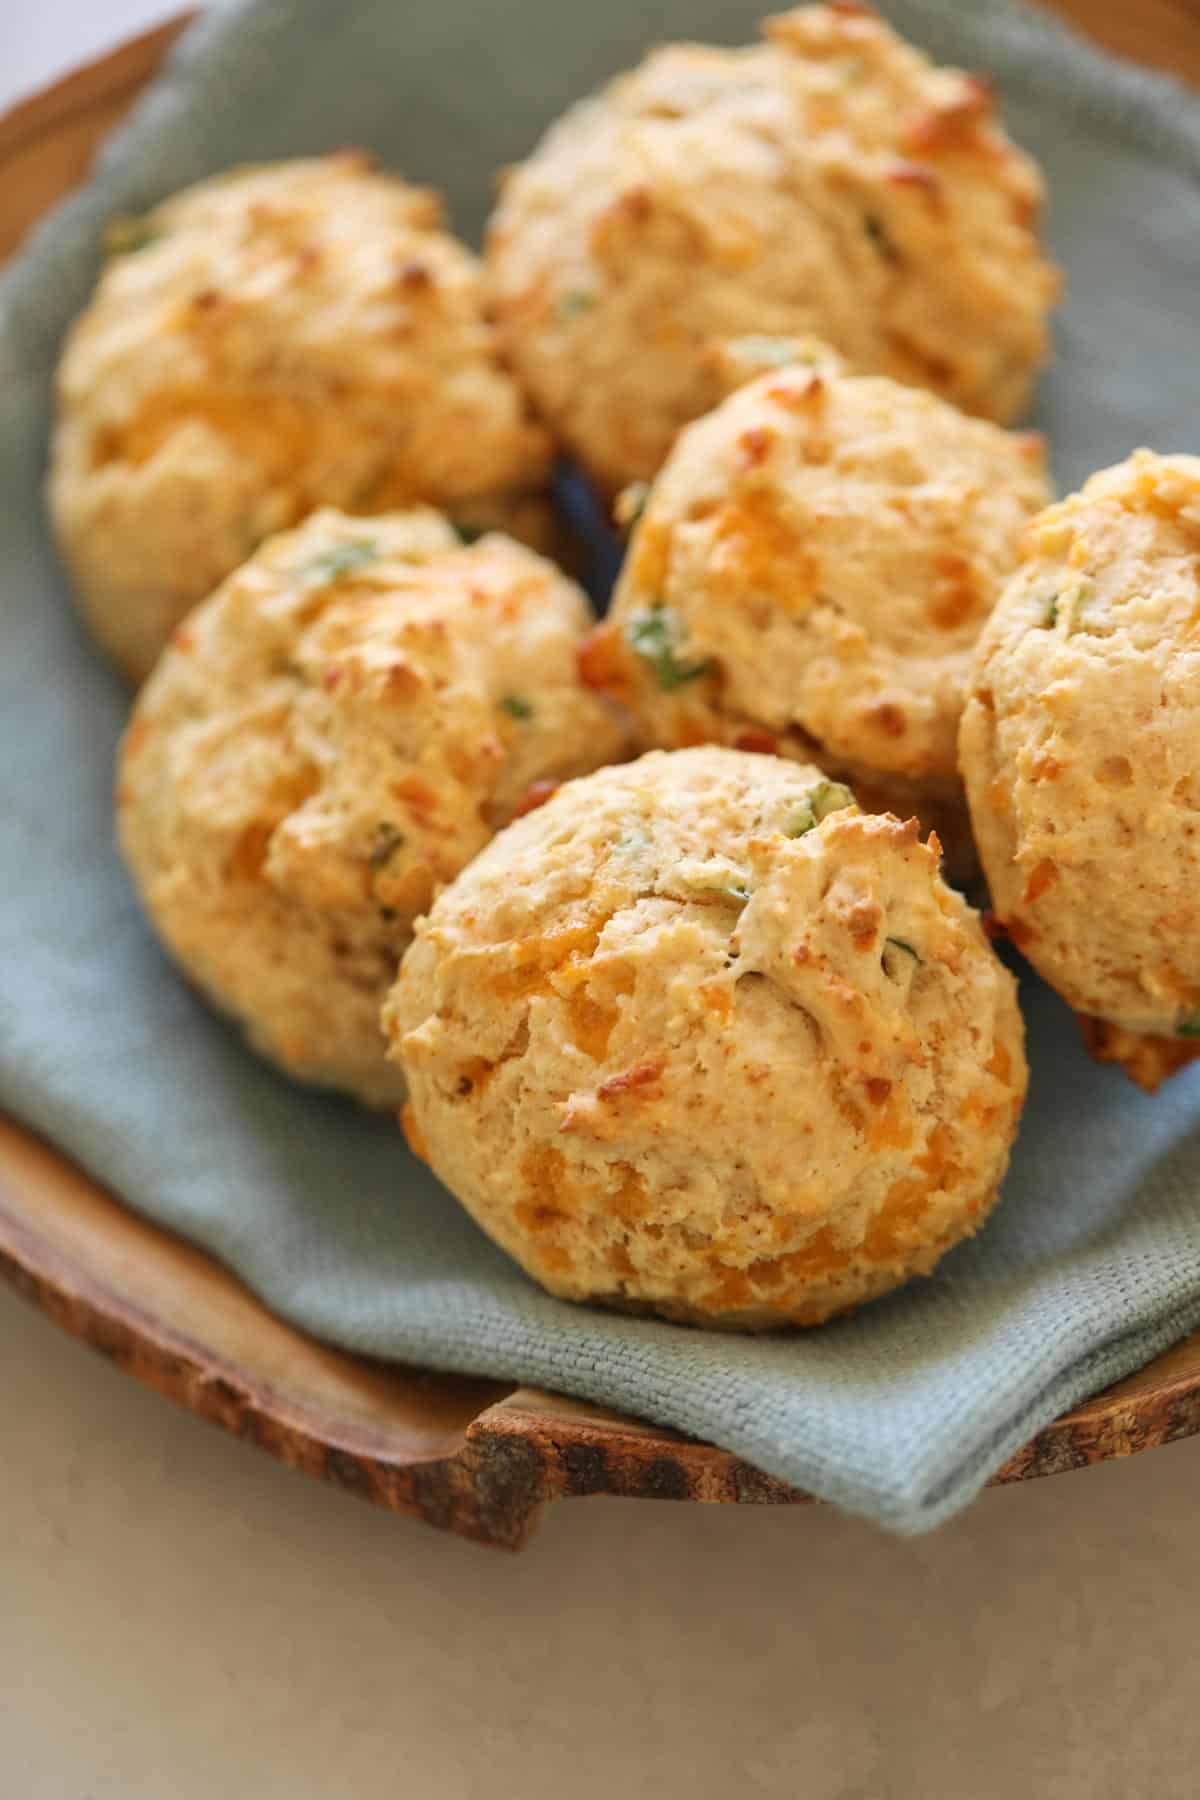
[1188,1026]
[388,839]
[1050,612]
[1079,598]
[517,707]
[125,235]
[340,559]
[830,796]
[826,798]
[735,892]
[879,237]
[469,532]
[771,352]
[654,634]
[899,944]
[365,491]
[574,302]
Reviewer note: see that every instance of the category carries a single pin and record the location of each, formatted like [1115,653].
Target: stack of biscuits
[650,927]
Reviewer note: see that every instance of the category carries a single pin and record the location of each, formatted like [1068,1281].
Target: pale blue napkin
[1092,1263]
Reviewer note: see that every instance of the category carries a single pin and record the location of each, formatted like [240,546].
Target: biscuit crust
[1080,749]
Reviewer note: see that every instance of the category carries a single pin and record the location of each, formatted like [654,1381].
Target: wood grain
[47,142]
[1163,34]
[479,1458]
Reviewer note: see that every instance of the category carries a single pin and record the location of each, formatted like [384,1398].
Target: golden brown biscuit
[1081,754]
[831,180]
[273,340]
[809,574]
[699,1037]
[328,740]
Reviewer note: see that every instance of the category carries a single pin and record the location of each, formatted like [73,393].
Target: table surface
[181,1618]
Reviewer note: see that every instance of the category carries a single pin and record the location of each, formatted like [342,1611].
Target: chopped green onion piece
[388,839]
[125,235]
[341,559]
[826,798]
[830,797]
[1050,612]
[1188,1026]
[654,635]
[517,707]
[735,892]
[574,302]
[1078,599]
[771,352]
[899,944]
[879,237]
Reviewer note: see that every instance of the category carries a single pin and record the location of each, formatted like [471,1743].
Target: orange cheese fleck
[892,1130]
[755,548]
[590,1023]
[886,1235]
[717,997]
[1041,880]
[650,556]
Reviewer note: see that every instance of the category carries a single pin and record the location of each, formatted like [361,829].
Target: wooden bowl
[476,1457]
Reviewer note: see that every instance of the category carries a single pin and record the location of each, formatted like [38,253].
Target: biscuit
[701,1038]
[272,340]
[809,575]
[1080,749]
[831,180]
[327,741]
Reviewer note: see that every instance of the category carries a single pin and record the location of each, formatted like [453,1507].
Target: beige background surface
[181,1618]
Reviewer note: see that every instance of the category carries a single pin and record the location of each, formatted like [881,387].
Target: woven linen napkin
[1092,1262]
